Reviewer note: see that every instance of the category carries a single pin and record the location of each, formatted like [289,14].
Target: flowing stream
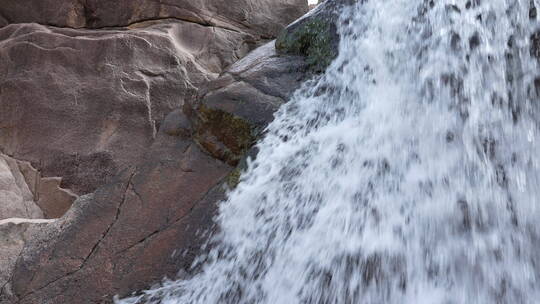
[408,173]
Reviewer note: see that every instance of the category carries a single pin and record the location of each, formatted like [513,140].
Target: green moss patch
[234,178]
[311,39]
[235,133]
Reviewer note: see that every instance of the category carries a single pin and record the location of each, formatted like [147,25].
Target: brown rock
[16,198]
[177,124]
[31,176]
[150,221]
[100,108]
[84,105]
[129,233]
[235,108]
[13,235]
[53,200]
[262,17]
[25,194]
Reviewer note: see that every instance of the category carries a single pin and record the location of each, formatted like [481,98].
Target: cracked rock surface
[14,233]
[133,231]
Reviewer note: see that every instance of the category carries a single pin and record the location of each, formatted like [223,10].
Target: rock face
[235,108]
[261,17]
[13,235]
[16,198]
[143,225]
[133,130]
[124,236]
[84,104]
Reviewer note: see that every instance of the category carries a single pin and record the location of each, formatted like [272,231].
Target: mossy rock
[234,178]
[313,38]
[235,133]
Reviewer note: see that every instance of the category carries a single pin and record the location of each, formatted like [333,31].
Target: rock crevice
[25,193]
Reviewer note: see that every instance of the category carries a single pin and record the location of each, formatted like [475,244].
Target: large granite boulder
[263,18]
[83,104]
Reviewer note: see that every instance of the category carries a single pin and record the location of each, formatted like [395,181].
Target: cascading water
[407,173]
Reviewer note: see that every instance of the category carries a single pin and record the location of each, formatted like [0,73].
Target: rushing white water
[408,173]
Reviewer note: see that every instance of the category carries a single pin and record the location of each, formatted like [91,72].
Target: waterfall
[407,173]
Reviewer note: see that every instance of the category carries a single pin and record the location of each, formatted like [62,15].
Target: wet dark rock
[474,41]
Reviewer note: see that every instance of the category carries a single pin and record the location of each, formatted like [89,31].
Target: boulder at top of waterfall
[234,109]
[263,18]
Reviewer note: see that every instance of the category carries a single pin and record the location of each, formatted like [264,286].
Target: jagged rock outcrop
[16,198]
[97,115]
[233,110]
[24,193]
